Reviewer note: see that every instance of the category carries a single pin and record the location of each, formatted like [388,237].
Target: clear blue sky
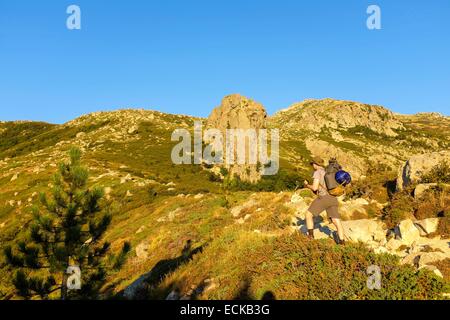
[184,56]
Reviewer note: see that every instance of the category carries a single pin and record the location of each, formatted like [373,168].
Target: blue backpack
[336,179]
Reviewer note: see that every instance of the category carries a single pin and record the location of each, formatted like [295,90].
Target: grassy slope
[257,256]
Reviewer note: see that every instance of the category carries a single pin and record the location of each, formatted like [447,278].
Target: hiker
[324,201]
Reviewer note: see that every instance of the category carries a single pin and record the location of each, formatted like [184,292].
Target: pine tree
[66,231]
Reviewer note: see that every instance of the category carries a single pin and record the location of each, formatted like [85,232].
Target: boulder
[141,229]
[364,230]
[80,135]
[430,257]
[421,188]
[320,234]
[142,251]
[173,214]
[133,130]
[434,245]
[125,179]
[427,226]
[353,208]
[300,210]
[421,259]
[433,269]
[236,211]
[417,166]
[393,244]
[408,232]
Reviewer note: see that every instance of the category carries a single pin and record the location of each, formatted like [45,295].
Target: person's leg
[340,229]
[310,223]
[333,213]
[315,209]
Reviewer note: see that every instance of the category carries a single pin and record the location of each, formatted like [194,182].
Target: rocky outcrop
[410,240]
[427,226]
[408,232]
[336,114]
[347,159]
[422,188]
[357,208]
[238,112]
[364,230]
[417,166]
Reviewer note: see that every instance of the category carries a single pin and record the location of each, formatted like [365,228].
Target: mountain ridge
[282,110]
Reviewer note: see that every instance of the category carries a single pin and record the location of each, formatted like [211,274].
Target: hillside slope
[359,135]
[162,208]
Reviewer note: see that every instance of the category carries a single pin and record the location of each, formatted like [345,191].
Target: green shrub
[439,173]
[292,267]
[433,203]
[284,180]
[402,206]
[378,185]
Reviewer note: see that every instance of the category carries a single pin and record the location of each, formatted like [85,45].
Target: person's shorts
[328,203]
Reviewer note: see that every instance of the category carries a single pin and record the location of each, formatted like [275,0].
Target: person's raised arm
[314,187]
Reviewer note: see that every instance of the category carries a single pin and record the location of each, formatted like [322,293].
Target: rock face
[427,226]
[133,130]
[336,114]
[347,159]
[408,232]
[421,259]
[238,112]
[364,230]
[421,188]
[417,166]
[348,209]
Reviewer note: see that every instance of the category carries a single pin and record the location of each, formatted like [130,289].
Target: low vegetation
[293,267]
[182,224]
[438,174]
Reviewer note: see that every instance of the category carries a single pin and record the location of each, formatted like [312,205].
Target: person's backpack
[336,179]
